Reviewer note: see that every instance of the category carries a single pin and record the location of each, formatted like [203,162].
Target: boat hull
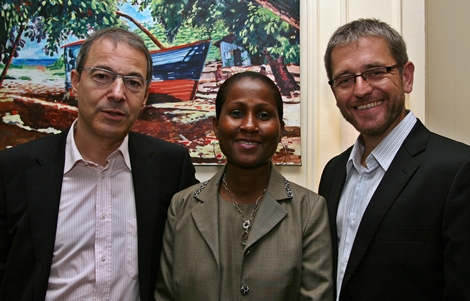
[176,71]
[172,90]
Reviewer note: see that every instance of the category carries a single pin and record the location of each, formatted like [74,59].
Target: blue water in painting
[34,62]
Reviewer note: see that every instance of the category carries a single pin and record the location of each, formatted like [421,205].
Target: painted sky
[34,49]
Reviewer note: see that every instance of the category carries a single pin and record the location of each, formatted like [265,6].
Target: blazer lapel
[145,173]
[335,193]
[332,193]
[270,212]
[395,179]
[205,218]
[205,215]
[44,185]
[44,202]
[269,215]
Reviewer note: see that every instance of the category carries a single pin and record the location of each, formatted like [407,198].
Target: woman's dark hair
[229,83]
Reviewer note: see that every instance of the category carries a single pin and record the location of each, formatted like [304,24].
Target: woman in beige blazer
[247,233]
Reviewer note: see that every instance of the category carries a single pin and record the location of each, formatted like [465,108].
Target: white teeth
[369,106]
[249,142]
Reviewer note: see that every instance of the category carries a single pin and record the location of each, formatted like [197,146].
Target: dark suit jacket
[413,242]
[30,186]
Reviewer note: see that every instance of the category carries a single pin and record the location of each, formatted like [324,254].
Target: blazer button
[247,253]
[244,290]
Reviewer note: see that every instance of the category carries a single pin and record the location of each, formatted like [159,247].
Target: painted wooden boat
[176,71]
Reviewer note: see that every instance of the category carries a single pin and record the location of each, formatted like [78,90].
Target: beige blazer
[287,257]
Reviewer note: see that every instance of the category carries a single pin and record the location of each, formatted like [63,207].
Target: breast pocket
[131,248]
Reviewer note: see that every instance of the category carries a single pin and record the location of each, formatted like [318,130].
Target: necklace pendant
[246,225]
[244,238]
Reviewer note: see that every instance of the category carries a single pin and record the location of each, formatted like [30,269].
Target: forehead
[116,54]
[364,53]
[252,91]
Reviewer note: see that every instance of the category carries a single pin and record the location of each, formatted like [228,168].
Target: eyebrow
[135,73]
[258,106]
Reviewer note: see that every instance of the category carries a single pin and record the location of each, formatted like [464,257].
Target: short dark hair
[353,31]
[116,35]
[231,81]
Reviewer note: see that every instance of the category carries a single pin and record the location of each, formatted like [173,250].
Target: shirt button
[103,216]
[244,290]
[103,258]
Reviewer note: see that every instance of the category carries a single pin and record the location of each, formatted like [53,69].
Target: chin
[113,132]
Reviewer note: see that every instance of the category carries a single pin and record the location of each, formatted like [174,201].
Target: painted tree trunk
[12,53]
[284,79]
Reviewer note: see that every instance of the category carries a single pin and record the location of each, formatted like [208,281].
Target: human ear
[75,80]
[408,76]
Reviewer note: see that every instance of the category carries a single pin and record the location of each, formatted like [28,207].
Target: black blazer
[30,186]
[413,242]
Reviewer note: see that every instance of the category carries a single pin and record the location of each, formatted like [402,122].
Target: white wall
[324,132]
[448,68]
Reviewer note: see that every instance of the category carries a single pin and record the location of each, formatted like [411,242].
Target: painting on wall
[195,46]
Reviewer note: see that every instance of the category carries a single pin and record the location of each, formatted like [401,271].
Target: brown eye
[236,114]
[343,81]
[264,116]
[102,77]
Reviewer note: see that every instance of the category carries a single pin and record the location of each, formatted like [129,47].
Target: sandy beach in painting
[35,104]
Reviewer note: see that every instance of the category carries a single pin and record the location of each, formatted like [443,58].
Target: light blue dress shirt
[361,183]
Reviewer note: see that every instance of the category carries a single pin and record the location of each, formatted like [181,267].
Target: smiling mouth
[248,142]
[369,105]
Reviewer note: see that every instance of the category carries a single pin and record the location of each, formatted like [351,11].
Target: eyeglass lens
[106,77]
[371,76]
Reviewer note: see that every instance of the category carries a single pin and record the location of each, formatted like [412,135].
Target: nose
[117,89]
[361,87]
[249,123]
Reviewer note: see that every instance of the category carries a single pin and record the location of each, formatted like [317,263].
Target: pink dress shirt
[95,251]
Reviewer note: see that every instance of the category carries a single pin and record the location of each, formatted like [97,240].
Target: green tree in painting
[52,20]
[268,29]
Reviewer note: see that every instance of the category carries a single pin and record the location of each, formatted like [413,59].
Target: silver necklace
[246,222]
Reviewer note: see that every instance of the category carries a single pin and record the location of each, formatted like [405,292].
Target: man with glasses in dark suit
[399,198]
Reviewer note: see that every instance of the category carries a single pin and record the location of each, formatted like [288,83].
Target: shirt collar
[385,152]
[72,154]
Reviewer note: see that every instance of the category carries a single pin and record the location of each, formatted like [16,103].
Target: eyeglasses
[372,76]
[106,77]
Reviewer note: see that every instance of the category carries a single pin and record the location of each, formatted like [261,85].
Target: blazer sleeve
[317,283]
[456,240]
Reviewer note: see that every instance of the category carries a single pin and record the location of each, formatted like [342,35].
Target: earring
[220,157]
[284,158]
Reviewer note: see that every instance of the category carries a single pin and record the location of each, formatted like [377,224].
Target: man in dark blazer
[39,179]
[399,199]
